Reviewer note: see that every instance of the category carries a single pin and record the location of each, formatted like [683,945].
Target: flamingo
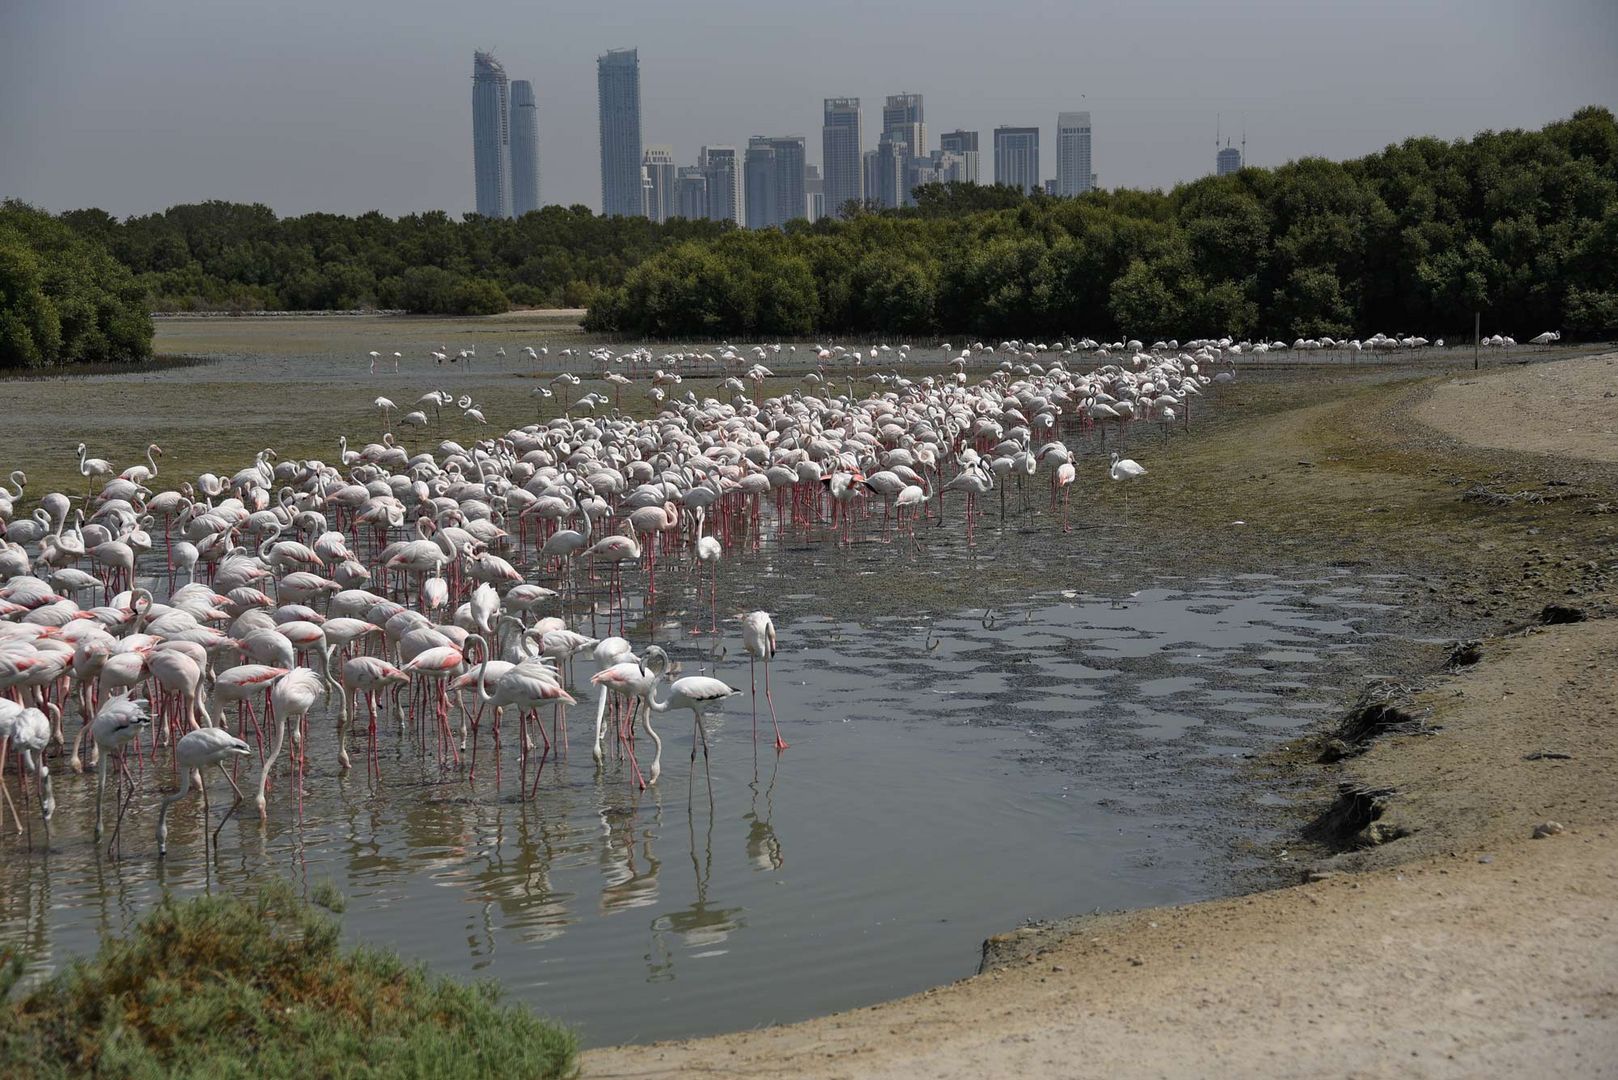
[697,693]
[1125,468]
[117,723]
[291,697]
[758,638]
[195,751]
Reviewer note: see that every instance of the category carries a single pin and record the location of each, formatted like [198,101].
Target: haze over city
[135,106]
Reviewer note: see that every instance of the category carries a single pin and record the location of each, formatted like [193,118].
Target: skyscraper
[724,174]
[791,197]
[618,95]
[758,182]
[814,190]
[1016,157]
[965,144]
[773,178]
[491,135]
[1073,176]
[891,170]
[841,138]
[904,127]
[903,114]
[524,149]
[691,192]
[659,166]
[1227,161]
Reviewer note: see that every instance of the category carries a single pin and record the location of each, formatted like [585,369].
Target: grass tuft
[231,987]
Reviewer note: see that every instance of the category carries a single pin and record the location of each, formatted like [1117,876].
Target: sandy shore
[1438,937]
[1568,408]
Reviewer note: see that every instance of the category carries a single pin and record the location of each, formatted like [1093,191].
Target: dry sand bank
[1568,408]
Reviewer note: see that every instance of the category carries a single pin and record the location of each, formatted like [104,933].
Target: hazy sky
[350,105]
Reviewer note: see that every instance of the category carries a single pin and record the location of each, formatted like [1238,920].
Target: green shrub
[227,987]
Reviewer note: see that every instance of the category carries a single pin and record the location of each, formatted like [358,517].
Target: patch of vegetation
[63,299]
[222,256]
[228,987]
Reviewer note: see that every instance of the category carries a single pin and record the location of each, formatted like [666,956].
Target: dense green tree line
[1521,225]
[63,298]
[231,256]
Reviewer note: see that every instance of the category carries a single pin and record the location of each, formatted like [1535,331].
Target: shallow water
[1052,758]
[952,769]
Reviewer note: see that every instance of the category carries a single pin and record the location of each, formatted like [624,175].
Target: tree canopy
[63,298]
[1521,225]
[231,256]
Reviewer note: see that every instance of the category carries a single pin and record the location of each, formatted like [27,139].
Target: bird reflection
[630,881]
[699,925]
[763,846]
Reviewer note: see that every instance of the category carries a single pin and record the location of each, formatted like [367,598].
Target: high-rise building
[840,143]
[491,136]
[658,164]
[773,180]
[724,173]
[814,190]
[903,113]
[892,170]
[903,122]
[691,192]
[791,174]
[965,144]
[758,183]
[871,176]
[524,149]
[1227,161]
[618,95]
[1073,175]
[1016,157]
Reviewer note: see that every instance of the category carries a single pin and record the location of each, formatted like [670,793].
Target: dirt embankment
[1437,937]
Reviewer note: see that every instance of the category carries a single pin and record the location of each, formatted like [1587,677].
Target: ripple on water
[1046,747]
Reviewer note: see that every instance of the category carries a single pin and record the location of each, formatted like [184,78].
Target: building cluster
[505,141]
[769,182]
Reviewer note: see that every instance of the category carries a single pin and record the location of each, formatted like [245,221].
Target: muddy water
[1050,757]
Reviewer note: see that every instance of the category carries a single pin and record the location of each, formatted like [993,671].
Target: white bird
[697,693]
[116,724]
[758,638]
[195,751]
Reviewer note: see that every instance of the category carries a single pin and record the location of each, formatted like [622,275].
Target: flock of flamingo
[433,585]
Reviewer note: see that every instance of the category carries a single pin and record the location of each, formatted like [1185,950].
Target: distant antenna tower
[1244,140]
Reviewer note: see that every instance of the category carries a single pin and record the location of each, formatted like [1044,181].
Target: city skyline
[121,111]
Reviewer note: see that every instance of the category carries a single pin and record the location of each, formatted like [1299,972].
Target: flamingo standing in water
[116,724]
[758,638]
[709,551]
[371,676]
[634,679]
[195,751]
[697,693]
[30,730]
[291,698]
